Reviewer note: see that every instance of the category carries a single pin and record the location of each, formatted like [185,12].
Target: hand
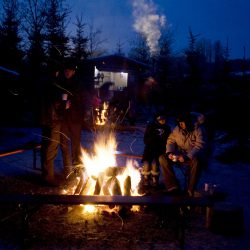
[68,104]
[181,158]
[173,157]
[170,156]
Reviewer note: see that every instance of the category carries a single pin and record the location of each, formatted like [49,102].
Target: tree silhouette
[10,41]
[140,50]
[79,50]
[34,15]
[95,42]
[56,38]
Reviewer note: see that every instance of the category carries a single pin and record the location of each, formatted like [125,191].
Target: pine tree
[57,40]
[10,41]
[79,50]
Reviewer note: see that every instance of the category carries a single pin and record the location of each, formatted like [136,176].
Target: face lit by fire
[182,125]
[68,73]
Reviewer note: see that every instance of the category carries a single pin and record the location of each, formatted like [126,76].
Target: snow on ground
[233,179]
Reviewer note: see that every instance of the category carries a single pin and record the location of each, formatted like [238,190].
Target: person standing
[187,144]
[155,138]
[52,120]
[75,102]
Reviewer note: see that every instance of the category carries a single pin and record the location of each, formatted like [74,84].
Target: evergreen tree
[79,50]
[34,21]
[193,57]
[10,41]
[140,50]
[119,49]
[57,40]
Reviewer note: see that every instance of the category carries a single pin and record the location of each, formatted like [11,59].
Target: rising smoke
[148,23]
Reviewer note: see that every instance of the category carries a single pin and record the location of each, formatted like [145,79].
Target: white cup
[174,159]
[206,187]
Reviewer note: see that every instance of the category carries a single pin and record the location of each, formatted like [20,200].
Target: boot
[146,173]
[146,180]
[155,181]
[155,178]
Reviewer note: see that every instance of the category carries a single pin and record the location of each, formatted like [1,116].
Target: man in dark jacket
[65,116]
[75,97]
[155,138]
[52,120]
[187,145]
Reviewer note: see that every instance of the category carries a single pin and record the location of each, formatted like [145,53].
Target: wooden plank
[18,151]
[105,200]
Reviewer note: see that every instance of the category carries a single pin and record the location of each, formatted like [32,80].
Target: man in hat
[186,145]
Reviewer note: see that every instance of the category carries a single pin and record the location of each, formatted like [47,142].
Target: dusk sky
[212,19]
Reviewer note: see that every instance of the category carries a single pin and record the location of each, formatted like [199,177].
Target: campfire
[101,174]
[101,114]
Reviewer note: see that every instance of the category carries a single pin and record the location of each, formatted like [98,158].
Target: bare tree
[95,42]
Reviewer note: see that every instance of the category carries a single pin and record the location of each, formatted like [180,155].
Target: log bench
[24,201]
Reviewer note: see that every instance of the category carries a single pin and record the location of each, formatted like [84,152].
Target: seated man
[186,144]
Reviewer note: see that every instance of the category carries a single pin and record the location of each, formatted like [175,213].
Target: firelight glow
[102,176]
[103,158]
[102,114]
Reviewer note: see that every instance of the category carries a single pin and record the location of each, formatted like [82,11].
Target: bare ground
[63,227]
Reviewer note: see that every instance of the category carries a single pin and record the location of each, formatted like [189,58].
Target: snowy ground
[233,179]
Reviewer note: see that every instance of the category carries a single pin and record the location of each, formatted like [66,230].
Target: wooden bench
[35,147]
[25,200]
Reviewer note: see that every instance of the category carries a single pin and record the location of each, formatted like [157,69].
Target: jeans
[196,165]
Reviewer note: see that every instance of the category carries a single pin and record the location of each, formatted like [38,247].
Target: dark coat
[52,105]
[77,97]
[155,138]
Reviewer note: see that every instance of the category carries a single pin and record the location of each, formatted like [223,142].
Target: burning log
[112,171]
[112,187]
[127,186]
[109,184]
[80,187]
[98,184]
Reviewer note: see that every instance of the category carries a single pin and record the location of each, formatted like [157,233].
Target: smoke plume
[148,22]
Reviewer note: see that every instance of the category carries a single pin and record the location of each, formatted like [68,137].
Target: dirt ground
[68,227]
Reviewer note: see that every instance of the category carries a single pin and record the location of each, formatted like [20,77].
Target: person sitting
[155,138]
[186,144]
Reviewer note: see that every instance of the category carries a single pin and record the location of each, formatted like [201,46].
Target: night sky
[212,19]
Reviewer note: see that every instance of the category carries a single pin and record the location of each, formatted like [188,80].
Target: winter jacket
[190,143]
[73,87]
[155,138]
[52,105]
